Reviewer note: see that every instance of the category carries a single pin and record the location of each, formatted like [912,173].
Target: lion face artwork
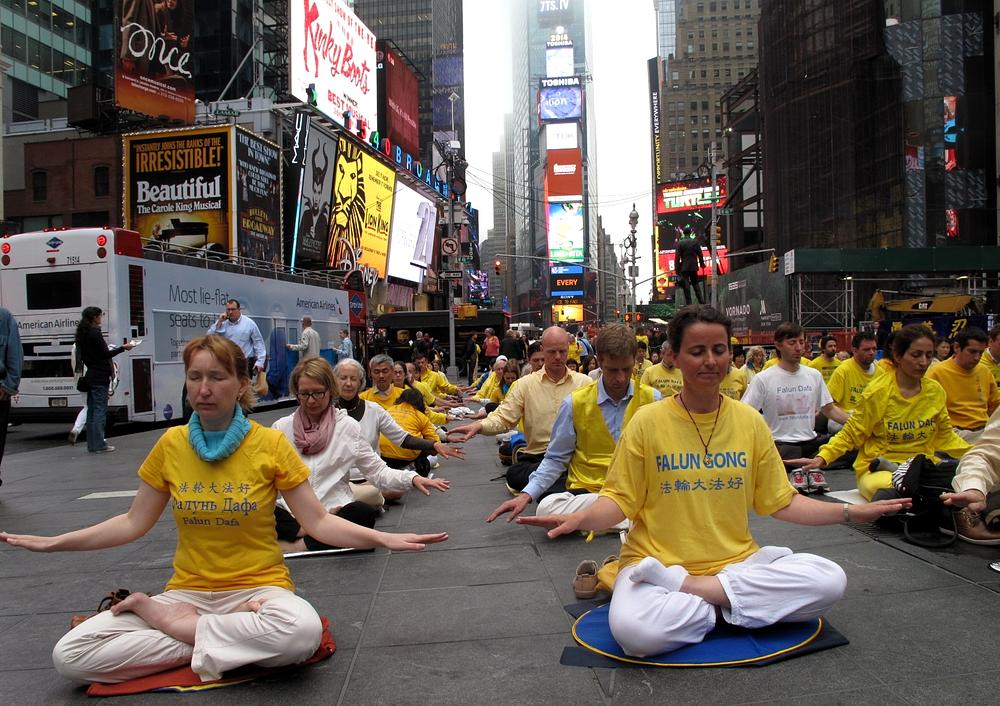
[348,207]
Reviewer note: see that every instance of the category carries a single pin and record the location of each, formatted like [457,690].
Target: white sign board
[334,52]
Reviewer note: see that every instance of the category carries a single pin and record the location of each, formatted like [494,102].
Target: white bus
[47,278]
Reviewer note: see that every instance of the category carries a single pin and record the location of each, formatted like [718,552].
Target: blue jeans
[97,412]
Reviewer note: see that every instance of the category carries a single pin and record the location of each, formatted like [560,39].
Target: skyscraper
[430,34]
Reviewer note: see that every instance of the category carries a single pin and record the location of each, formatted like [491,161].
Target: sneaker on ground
[972,529]
[798,480]
[106,450]
[817,482]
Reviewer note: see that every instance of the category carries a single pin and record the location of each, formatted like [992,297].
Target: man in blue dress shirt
[242,331]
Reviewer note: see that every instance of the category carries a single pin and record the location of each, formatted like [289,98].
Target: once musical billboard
[177,188]
[564,174]
[313,155]
[399,101]
[411,243]
[153,58]
[332,61]
[565,230]
[258,198]
[363,189]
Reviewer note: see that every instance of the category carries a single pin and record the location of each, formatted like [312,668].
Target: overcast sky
[624,37]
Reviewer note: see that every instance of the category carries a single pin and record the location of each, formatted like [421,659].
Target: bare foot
[248,607]
[178,620]
[298,545]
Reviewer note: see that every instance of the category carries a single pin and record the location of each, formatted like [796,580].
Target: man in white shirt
[346,347]
[790,395]
[242,331]
[308,346]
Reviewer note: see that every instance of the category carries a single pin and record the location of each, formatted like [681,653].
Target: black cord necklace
[352,407]
[697,430]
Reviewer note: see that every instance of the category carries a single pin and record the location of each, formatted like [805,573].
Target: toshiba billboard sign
[332,61]
[564,174]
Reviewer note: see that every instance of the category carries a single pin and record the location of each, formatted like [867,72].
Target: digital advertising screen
[154,58]
[564,173]
[565,231]
[177,188]
[363,189]
[332,59]
[688,194]
[411,240]
[559,60]
[560,99]
[566,281]
[258,198]
[666,266]
[561,136]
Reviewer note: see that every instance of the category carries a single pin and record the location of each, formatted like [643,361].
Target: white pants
[81,421]
[772,586]
[115,648]
[969,435]
[564,503]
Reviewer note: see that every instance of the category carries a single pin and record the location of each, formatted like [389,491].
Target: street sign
[449,246]
[465,259]
[450,274]
[724,211]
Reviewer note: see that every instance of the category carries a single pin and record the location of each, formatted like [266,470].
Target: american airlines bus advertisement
[313,155]
[332,61]
[411,246]
[154,58]
[177,189]
[362,210]
[258,198]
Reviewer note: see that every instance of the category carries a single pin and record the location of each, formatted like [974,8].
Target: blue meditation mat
[725,646]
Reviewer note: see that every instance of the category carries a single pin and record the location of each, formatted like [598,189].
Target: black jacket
[97,356]
[688,255]
[509,346]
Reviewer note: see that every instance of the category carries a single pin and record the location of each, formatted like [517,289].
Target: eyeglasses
[315,395]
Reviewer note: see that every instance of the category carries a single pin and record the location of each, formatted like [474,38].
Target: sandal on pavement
[585,582]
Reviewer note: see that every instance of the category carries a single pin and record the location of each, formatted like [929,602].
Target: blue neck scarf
[239,427]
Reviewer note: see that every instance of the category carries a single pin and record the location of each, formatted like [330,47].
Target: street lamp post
[633,271]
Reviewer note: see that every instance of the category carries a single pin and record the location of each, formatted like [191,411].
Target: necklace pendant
[707,457]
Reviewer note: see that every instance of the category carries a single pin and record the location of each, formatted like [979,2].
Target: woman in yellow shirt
[687,472]
[231,600]
[409,413]
[900,415]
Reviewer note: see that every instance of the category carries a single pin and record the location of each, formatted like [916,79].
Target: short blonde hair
[315,369]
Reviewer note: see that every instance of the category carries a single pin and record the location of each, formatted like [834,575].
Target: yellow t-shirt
[774,361]
[424,389]
[573,353]
[848,382]
[413,422]
[667,380]
[224,511]
[991,365]
[824,366]
[886,424]
[685,510]
[640,368]
[438,383]
[972,395]
[385,402]
[734,384]
[888,366]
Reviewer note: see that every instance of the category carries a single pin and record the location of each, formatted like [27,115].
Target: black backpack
[923,481]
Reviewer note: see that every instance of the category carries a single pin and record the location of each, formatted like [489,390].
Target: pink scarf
[311,438]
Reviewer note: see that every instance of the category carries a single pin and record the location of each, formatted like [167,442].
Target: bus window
[53,290]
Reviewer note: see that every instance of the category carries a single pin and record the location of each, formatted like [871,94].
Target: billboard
[564,174]
[559,60]
[565,230]
[313,155]
[177,188]
[688,194]
[755,299]
[363,188]
[566,281]
[560,99]
[653,66]
[258,198]
[411,243]
[665,266]
[561,136]
[332,60]
[399,101]
[153,58]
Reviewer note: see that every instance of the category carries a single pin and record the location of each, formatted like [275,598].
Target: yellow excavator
[897,304]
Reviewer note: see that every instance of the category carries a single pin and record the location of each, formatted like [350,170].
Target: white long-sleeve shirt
[309,345]
[979,469]
[348,449]
[245,334]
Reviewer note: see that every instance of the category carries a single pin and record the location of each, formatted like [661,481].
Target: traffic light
[628,318]
[618,313]
[638,316]
[496,265]
[718,233]
[772,266]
